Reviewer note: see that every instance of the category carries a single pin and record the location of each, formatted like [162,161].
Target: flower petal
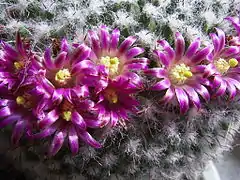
[114,39]
[209,70]
[230,51]
[18,131]
[202,91]
[95,46]
[134,52]
[127,43]
[179,46]
[47,59]
[78,120]
[231,89]
[5,111]
[64,45]
[222,89]
[193,96]
[221,37]
[93,123]
[161,85]
[169,50]
[46,132]
[59,61]
[9,120]
[114,119]
[163,59]
[85,136]
[216,42]
[81,53]
[157,72]
[73,140]
[83,65]
[168,96]
[57,142]
[49,119]
[201,55]
[182,99]
[104,37]
[192,49]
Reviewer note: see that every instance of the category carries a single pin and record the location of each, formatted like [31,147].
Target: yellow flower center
[222,65]
[111,96]
[67,115]
[62,76]
[20,100]
[180,73]
[110,63]
[18,65]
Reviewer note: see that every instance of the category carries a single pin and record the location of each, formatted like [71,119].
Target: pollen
[62,76]
[180,73]
[222,65]
[111,96]
[111,63]
[18,65]
[67,115]
[20,100]
[233,62]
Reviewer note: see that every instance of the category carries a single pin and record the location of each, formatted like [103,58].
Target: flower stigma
[180,73]
[20,100]
[111,64]
[67,115]
[62,76]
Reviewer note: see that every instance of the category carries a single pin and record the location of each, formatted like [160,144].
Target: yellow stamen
[67,115]
[233,62]
[62,76]
[18,65]
[110,63]
[20,100]
[180,73]
[222,65]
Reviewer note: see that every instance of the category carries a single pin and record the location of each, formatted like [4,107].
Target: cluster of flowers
[69,92]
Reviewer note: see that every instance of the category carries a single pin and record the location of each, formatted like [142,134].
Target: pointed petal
[47,59]
[19,44]
[125,45]
[230,51]
[50,118]
[9,120]
[231,89]
[222,89]
[114,39]
[134,52]
[157,72]
[161,85]
[93,123]
[104,37]
[221,37]
[73,140]
[94,42]
[82,91]
[57,142]
[60,60]
[201,55]
[83,65]
[179,46]
[163,59]
[18,132]
[64,45]
[114,119]
[182,99]
[78,120]
[192,49]
[216,42]
[11,52]
[168,96]
[57,95]
[202,91]
[85,136]
[209,70]
[45,133]
[193,96]
[81,53]
[5,111]
[169,50]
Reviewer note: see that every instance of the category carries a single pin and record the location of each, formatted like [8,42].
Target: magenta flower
[116,61]
[70,69]
[17,64]
[115,102]
[17,110]
[180,75]
[223,69]
[70,119]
